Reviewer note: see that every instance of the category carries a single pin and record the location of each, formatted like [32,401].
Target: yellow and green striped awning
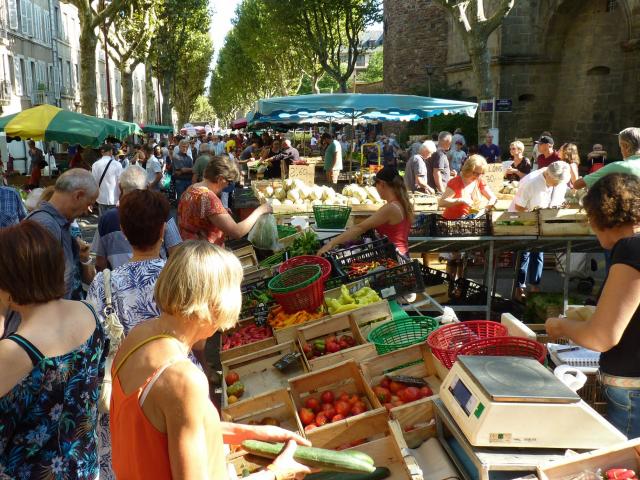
[49,123]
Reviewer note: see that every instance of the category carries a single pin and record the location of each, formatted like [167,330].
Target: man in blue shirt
[488,150]
[12,209]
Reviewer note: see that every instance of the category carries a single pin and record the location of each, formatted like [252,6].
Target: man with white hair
[415,174]
[438,170]
[542,188]
[111,247]
[74,193]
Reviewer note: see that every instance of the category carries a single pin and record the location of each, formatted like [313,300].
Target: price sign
[306,173]
[260,315]
[494,176]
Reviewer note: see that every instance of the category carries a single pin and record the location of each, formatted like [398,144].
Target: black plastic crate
[421,225]
[432,277]
[472,227]
[335,282]
[396,282]
[249,303]
[467,292]
[367,252]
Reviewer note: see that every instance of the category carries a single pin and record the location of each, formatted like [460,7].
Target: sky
[224,11]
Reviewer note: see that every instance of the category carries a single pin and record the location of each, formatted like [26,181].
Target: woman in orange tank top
[163,425]
[392,220]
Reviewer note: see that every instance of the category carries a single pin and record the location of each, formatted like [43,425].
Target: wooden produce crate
[261,185]
[343,377]
[371,316]
[622,455]
[413,361]
[240,462]
[275,404]
[247,349]
[515,223]
[257,372]
[338,325]
[382,441]
[563,222]
[417,421]
[247,257]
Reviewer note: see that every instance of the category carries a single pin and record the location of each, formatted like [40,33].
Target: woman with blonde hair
[392,220]
[521,165]
[464,191]
[569,153]
[163,424]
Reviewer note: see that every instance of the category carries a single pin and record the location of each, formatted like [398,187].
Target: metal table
[493,245]
[487,460]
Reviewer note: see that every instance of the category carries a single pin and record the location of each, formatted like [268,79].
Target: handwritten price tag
[306,173]
[494,176]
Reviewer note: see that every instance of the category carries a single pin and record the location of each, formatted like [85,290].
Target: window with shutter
[47,27]
[38,23]
[56,80]
[30,18]
[13,14]
[24,16]
[17,76]
[28,76]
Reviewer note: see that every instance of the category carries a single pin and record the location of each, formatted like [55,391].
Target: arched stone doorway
[586,79]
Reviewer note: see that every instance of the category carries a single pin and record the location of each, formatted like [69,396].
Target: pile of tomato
[393,394]
[329,408]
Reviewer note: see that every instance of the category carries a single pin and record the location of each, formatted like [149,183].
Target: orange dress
[195,207]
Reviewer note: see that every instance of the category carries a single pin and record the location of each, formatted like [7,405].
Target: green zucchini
[362,456]
[313,457]
[379,474]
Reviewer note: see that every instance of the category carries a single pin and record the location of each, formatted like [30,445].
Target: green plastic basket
[295,279]
[274,259]
[331,216]
[402,333]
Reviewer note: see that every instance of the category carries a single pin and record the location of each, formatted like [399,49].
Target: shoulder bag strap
[112,324]
[104,172]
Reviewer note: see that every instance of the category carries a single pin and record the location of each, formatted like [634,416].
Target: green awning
[157,129]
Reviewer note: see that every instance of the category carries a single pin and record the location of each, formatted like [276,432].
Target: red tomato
[307,417]
[343,408]
[383,394]
[388,406]
[397,403]
[310,427]
[357,410]
[312,404]
[327,397]
[343,396]
[321,419]
[328,409]
[411,394]
[395,387]
[231,378]
[361,404]
[337,418]
[385,382]
[353,399]
[425,392]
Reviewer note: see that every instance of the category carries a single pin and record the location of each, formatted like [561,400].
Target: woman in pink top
[392,219]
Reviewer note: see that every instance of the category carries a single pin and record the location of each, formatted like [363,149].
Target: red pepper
[620,473]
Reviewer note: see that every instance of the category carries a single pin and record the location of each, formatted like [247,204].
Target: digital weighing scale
[516,402]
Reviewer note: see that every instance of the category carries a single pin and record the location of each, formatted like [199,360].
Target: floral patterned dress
[48,421]
[197,204]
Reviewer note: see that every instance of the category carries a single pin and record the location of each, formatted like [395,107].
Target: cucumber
[362,456]
[379,474]
[313,457]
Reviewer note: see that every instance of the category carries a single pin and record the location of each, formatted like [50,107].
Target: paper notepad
[580,357]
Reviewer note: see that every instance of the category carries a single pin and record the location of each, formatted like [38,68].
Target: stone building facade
[570,66]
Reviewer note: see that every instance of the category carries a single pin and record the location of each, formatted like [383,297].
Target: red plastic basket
[446,342]
[324,264]
[506,347]
[308,297]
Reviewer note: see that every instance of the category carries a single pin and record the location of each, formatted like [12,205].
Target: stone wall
[569,66]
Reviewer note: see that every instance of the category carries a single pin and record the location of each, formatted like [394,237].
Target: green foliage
[374,72]
[326,85]
[202,111]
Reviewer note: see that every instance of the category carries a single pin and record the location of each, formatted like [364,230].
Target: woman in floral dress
[50,368]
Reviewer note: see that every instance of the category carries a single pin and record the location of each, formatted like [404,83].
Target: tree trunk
[88,66]
[343,85]
[315,80]
[481,63]
[167,80]
[149,94]
[126,78]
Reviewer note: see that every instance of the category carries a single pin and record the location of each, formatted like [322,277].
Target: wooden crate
[403,362]
[257,372]
[258,346]
[259,186]
[247,257]
[274,404]
[622,455]
[290,334]
[335,325]
[240,462]
[371,316]
[515,223]
[343,377]
[417,421]
[563,222]
[383,442]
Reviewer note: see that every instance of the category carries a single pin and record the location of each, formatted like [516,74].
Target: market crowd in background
[170,273]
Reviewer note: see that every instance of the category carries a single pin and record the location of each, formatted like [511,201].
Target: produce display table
[487,462]
[492,245]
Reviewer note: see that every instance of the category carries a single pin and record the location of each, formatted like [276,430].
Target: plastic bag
[264,234]
[165,182]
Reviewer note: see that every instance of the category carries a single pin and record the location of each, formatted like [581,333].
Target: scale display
[463,396]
